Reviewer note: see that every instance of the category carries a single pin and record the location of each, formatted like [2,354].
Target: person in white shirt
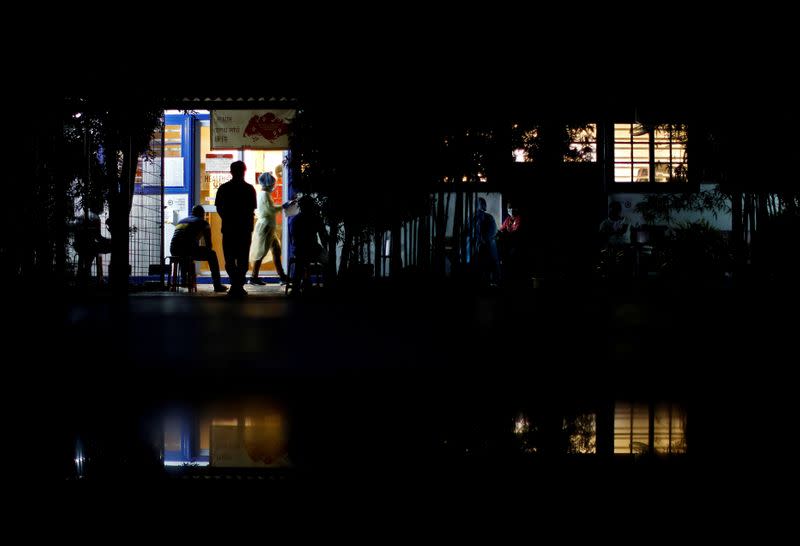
[616,227]
[265,235]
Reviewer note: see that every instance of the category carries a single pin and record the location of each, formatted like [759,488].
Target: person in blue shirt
[484,233]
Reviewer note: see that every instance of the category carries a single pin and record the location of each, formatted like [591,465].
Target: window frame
[692,184]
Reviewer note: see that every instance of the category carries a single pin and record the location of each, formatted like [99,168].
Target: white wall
[493,207]
[629,201]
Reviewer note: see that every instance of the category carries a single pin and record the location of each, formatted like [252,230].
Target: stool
[181,267]
[314,268]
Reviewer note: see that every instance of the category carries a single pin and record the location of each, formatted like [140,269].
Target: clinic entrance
[199,147]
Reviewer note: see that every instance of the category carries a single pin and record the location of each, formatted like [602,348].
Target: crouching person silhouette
[192,239]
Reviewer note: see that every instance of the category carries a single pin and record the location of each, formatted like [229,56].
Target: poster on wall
[173,172]
[218,163]
[176,207]
[251,129]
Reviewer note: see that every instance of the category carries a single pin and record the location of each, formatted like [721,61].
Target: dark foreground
[435,390]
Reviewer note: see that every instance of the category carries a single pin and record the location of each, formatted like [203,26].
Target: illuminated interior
[582,145]
[646,154]
[632,428]
[215,171]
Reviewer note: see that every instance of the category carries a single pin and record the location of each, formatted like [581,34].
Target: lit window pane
[631,428]
[669,429]
[641,152]
[622,173]
[583,143]
[622,132]
[633,143]
[582,431]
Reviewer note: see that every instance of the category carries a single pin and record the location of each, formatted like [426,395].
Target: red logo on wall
[268,126]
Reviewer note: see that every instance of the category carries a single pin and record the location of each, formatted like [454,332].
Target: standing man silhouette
[484,233]
[236,201]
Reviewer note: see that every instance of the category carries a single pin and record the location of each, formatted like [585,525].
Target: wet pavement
[570,385]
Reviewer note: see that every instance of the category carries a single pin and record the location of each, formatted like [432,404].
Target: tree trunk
[395,260]
[348,243]
[118,210]
[376,237]
[737,231]
[333,226]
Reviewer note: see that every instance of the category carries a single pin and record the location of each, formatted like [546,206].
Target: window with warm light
[650,153]
[575,143]
[669,429]
[525,143]
[582,144]
[640,428]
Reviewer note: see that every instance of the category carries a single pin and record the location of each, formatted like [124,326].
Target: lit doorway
[214,170]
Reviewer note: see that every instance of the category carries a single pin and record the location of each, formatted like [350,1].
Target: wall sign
[251,129]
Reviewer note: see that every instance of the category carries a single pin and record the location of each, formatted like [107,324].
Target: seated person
[615,228]
[88,242]
[189,233]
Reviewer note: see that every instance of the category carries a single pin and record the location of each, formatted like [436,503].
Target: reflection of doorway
[214,170]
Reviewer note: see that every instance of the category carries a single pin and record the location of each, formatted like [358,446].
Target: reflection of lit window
[647,154]
[204,437]
[633,432]
[172,435]
[181,446]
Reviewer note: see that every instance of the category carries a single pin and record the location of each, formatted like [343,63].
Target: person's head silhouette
[237,169]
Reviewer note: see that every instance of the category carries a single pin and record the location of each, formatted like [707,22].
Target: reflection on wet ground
[431,385]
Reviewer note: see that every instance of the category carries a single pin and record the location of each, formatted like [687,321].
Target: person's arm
[207,234]
[271,207]
[503,227]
